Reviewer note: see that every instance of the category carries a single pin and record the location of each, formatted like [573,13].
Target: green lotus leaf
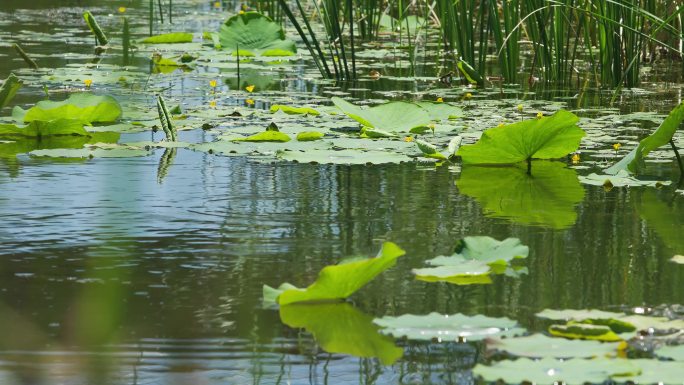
[266,136]
[541,346]
[544,138]
[447,276]
[340,281]
[256,34]
[441,111]
[169,38]
[660,137]
[9,149]
[308,136]
[489,250]
[9,88]
[113,152]
[84,107]
[340,328]
[454,327]
[374,133]
[578,315]
[620,179]
[549,371]
[294,110]
[584,331]
[343,157]
[673,352]
[547,198]
[390,117]
[429,150]
[465,269]
[653,372]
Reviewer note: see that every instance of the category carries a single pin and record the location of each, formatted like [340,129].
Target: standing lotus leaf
[255,34]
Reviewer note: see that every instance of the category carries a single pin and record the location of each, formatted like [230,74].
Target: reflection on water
[150,270]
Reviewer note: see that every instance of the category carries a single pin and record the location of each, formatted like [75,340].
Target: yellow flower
[241,12]
[575,158]
[501,124]
[408,139]
[212,104]
[440,100]
[468,95]
[520,107]
[250,102]
[250,88]
[217,4]
[212,83]
[617,146]
[122,9]
[539,115]
[88,83]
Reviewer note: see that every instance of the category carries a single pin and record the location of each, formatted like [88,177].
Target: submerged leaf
[340,328]
[454,327]
[256,34]
[544,138]
[341,281]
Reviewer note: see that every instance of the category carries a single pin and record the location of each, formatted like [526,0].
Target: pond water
[113,274]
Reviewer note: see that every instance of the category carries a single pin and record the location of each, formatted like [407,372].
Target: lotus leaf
[169,38]
[541,346]
[544,138]
[294,110]
[38,129]
[584,331]
[340,281]
[255,34]
[340,328]
[429,150]
[547,198]
[654,372]
[85,107]
[266,136]
[9,88]
[390,117]
[441,111]
[308,136]
[620,179]
[115,152]
[660,137]
[590,317]
[454,327]
[549,371]
[343,157]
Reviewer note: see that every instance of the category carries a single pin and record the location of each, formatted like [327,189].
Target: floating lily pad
[621,179]
[114,152]
[583,331]
[266,136]
[544,138]
[308,136]
[654,372]
[547,198]
[340,328]
[294,110]
[343,157]
[541,346]
[340,281]
[549,371]
[255,34]
[169,38]
[454,327]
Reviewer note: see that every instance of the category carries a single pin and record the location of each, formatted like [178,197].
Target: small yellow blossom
[212,83]
[250,102]
[575,158]
[539,115]
[122,9]
[408,139]
[241,12]
[212,104]
[440,100]
[250,88]
[468,95]
[520,107]
[217,4]
[616,146]
[501,124]
[88,83]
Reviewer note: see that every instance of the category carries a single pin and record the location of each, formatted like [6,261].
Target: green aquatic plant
[290,110]
[165,120]
[100,36]
[255,34]
[448,328]
[9,89]
[474,259]
[341,328]
[83,107]
[27,59]
[169,38]
[662,136]
[389,117]
[543,138]
[337,282]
